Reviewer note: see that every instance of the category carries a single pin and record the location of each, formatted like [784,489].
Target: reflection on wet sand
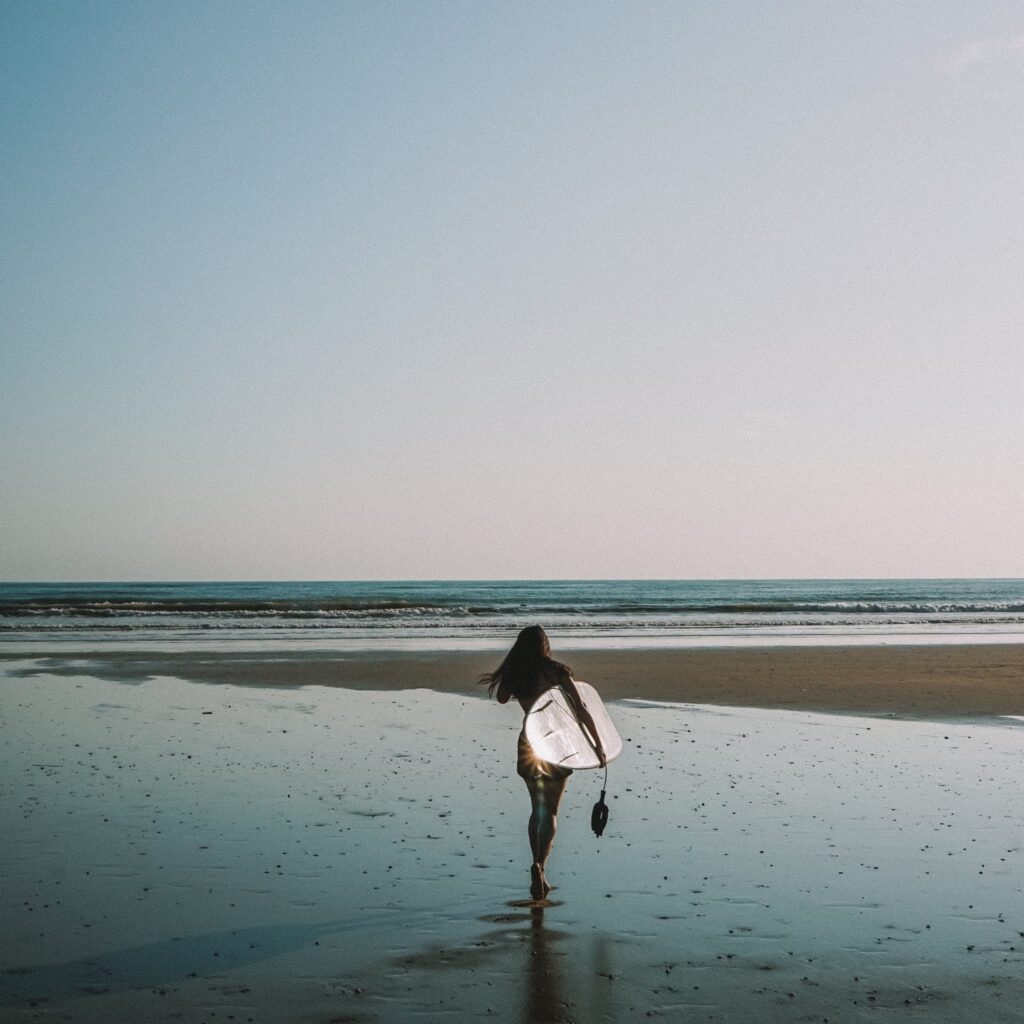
[561,982]
[545,1002]
[760,864]
[553,974]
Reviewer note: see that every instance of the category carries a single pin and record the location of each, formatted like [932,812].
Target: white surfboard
[557,737]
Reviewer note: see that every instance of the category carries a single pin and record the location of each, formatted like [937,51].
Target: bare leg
[545,795]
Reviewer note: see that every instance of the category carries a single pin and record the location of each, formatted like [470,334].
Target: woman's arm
[568,685]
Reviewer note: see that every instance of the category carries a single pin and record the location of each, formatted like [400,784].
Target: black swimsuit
[530,766]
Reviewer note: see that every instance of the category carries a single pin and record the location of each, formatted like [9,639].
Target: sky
[462,290]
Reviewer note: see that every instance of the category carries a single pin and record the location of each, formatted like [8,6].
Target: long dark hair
[529,657]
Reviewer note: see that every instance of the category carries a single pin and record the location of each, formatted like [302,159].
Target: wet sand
[203,851]
[914,681]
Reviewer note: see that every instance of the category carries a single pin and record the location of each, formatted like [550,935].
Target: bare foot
[538,884]
[539,887]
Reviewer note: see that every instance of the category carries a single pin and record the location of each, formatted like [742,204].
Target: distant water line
[627,612]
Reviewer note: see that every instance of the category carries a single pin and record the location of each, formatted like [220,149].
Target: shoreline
[917,681]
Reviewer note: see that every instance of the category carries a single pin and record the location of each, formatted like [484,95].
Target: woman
[528,671]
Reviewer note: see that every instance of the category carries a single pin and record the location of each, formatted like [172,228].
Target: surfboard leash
[599,815]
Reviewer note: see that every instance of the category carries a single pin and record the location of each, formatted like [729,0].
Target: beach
[796,834]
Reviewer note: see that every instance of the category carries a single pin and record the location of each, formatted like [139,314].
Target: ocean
[488,613]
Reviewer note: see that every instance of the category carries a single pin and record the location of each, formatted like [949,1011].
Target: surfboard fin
[599,816]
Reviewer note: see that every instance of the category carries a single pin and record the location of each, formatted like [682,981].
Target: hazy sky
[471,290]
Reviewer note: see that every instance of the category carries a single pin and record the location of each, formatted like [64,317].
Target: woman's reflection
[545,1002]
